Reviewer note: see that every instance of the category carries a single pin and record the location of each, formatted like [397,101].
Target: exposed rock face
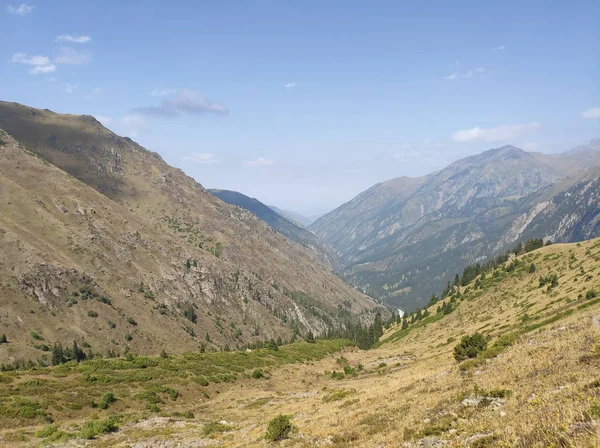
[402,240]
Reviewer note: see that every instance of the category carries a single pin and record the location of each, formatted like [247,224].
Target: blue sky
[305,104]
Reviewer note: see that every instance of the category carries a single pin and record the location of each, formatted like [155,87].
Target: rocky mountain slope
[402,240]
[104,243]
[278,222]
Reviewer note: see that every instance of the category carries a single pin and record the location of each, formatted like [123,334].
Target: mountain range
[106,244]
[402,240]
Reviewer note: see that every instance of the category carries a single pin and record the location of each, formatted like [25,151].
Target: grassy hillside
[158,263]
[537,384]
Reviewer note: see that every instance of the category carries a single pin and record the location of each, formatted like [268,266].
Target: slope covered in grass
[537,384]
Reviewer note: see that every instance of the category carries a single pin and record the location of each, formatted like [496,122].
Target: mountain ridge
[393,232]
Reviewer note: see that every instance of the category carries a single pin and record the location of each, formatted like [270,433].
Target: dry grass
[543,391]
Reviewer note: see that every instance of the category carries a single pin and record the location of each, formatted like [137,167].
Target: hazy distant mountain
[298,218]
[283,225]
[95,229]
[402,240]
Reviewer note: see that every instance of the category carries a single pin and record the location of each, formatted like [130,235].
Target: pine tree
[58,356]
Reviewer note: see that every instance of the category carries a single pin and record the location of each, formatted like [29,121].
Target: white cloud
[30,60]
[104,120]
[42,69]
[289,85]
[70,88]
[68,55]
[184,101]
[206,158]
[41,63]
[593,112]
[261,161]
[20,10]
[494,134]
[467,74]
[163,92]
[75,38]
[499,48]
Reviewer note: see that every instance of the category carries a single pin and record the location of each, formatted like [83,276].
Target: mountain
[278,222]
[104,243]
[403,239]
[297,218]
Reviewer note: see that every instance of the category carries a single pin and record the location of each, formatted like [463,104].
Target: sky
[303,105]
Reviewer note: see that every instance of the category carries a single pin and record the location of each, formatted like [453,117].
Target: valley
[535,385]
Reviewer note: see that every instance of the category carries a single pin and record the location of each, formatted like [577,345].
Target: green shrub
[470,347]
[36,336]
[591,294]
[131,320]
[279,428]
[3,339]
[108,398]
[257,374]
[201,380]
[47,431]
[111,324]
[92,314]
[128,337]
[213,427]
[337,375]
[91,429]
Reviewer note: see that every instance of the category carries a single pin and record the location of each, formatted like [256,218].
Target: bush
[128,337]
[91,429]
[131,320]
[92,314]
[201,380]
[3,339]
[36,336]
[213,427]
[470,347]
[257,374]
[279,428]
[108,398]
[591,294]
[111,324]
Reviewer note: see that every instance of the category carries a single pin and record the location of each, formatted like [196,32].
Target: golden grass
[543,391]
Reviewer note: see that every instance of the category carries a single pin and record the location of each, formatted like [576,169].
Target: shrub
[36,336]
[190,314]
[3,339]
[46,431]
[108,398]
[111,324]
[591,294]
[201,380]
[212,427]
[131,320]
[279,428]
[128,337]
[470,347]
[92,314]
[532,268]
[337,375]
[257,374]
[91,429]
